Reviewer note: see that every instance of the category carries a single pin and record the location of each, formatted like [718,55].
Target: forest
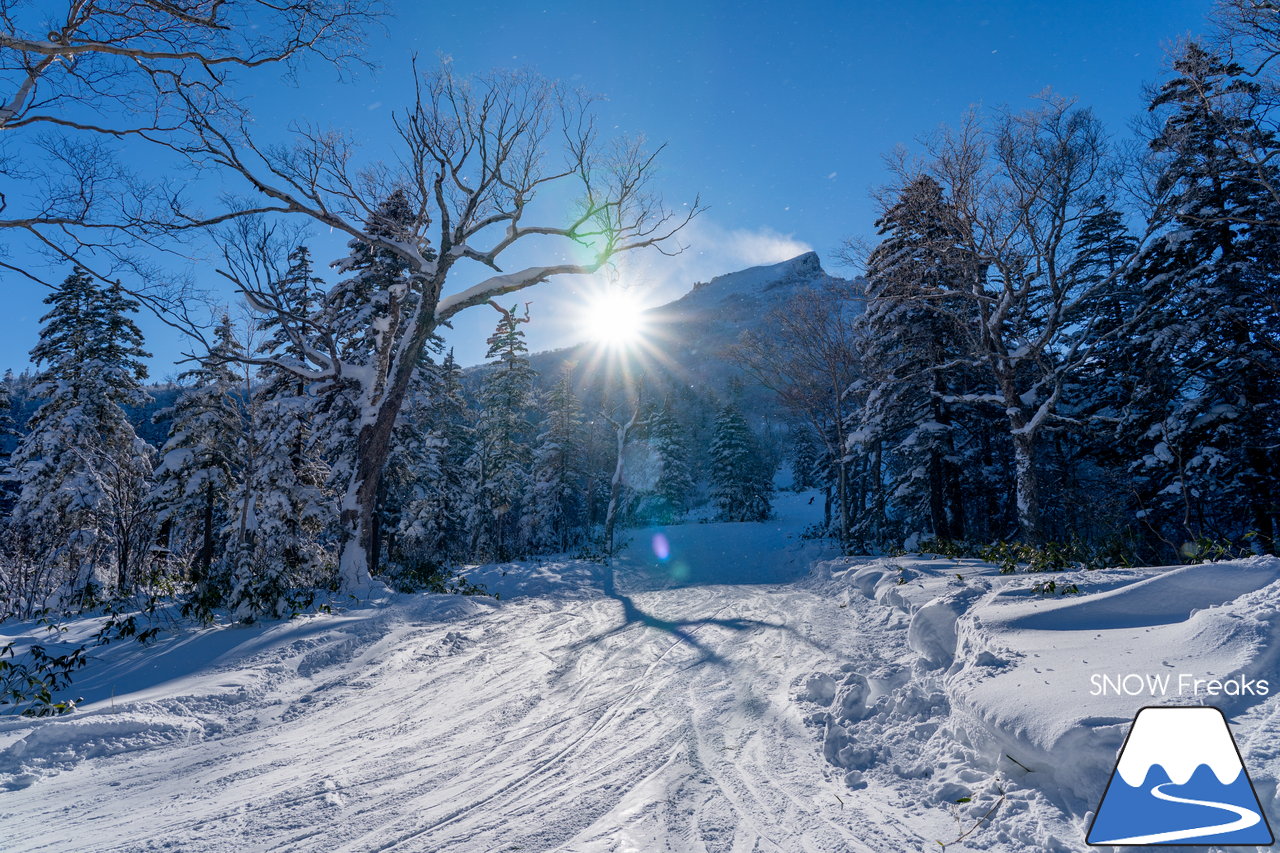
[1060,344]
[400,450]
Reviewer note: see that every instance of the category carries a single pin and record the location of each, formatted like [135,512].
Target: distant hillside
[686,340]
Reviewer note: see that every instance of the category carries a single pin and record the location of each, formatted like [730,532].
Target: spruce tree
[913,341]
[675,484]
[8,440]
[557,512]
[805,466]
[741,480]
[283,506]
[1209,427]
[199,463]
[83,469]
[499,465]
[432,455]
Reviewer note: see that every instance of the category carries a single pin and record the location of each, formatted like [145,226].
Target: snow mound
[563,577]
[999,686]
[62,743]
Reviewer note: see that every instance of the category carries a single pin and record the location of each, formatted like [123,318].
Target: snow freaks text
[1171,684]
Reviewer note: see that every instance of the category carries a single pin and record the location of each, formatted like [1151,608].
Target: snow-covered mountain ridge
[685,340]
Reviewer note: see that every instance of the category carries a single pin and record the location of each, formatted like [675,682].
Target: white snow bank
[66,741]
[1021,673]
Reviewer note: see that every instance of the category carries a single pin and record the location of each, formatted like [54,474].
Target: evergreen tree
[499,464]
[283,506]
[805,467]
[199,462]
[83,470]
[557,512]
[741,480]
[365,314]
[674,487]
[1210,426]
[8,429]
[435,446]
[913,341]
[8,440]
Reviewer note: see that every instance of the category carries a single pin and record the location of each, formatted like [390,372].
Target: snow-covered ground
[724,688]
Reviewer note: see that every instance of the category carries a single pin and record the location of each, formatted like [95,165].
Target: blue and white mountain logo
[1180,780]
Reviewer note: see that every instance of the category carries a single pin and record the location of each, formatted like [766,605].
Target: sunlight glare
[614,318]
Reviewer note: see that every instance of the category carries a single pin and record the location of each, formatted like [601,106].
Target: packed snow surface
[721,688]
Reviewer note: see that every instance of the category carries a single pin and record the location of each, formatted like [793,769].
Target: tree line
[1059,339]
[240,509]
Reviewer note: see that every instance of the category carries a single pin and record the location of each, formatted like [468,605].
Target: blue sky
[777,114]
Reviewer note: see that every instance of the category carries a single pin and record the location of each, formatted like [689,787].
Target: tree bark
[1027,486]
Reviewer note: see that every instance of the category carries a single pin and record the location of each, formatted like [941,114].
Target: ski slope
[728,691]
[652,716]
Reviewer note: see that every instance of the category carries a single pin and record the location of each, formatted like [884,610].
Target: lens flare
[661,547]
[614,318]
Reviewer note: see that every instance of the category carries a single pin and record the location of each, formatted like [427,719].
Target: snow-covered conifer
[199,462]
[1209,426]
[913,340]
[428,468]
[83,469]
[556,502]
[283,506]
[499,465]
[741,479]
[674,487]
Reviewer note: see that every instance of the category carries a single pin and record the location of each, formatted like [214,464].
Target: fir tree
[1209,427]
[499,465]
[912,344]
[199,462]
[283,506]
[434,448]
[83,469]
[557,511]
[806,468]
[8,440]
[741,480]
[674,487]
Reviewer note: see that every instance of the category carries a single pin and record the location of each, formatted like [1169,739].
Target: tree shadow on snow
[683,630]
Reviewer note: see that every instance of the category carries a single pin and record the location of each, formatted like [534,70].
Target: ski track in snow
[542,723]
[752,706]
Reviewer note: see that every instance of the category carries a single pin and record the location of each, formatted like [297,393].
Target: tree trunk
[615,487]
[205,560]
[1027,487]
[373,445]
[844,503]
[360,504]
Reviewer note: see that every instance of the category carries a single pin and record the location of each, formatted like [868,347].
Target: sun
[614,318]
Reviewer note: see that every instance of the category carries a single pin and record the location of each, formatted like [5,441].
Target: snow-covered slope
[707,693]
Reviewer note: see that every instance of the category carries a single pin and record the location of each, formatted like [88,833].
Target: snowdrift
[1042,688]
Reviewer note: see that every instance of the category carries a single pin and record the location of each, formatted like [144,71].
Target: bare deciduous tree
[478,158]
[1021,189]
[87,86]
[809,358]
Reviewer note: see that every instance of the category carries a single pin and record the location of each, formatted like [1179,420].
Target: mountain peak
[802,269]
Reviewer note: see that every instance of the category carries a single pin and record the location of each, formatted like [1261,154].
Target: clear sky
[776,113]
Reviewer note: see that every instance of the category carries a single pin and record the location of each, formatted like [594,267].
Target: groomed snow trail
[648,709]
